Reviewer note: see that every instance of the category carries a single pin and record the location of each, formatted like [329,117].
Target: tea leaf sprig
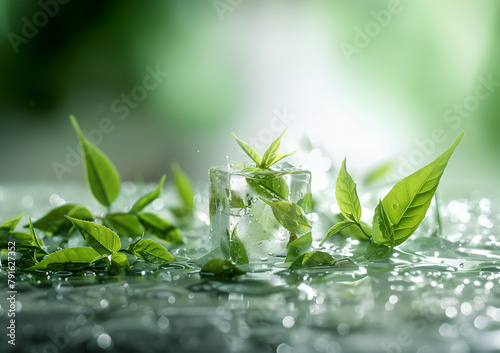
[397,215]
[270,157]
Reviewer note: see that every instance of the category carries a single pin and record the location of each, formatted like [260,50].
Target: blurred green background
[373,80]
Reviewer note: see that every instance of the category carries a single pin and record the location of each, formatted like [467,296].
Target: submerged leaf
[101,174]
[346,195]
[408,201]
[306,203]
[118,264]
[299,246]
[220,267]
[69,259]
[377,251]
[290,215]
[237,250]
[270,187]
[100,238]
[148,198]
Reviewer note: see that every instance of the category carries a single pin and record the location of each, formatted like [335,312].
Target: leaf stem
[365,233]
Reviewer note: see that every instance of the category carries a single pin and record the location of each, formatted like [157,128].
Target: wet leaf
[312,259]
[237,250]
[346,195]
[10,224]
[220,267]
[150,251]
[148,198]
[184,187]
[70,258]
[118,264]
[336,229]
[161,228]
[290,215]
[270,187]
[408,201]
[124,224]
[299,246]
[101,174]
[271,156]
[306,203]
[377,251]
[54,222]
[100,238]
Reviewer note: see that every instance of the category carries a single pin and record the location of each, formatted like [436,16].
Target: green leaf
[184,187]
[161,228]
[271,156]
[336,229]
[407,202]
[384,224]
[148,198]
[345,193]
[54,221]
[10,224]
[237,250]
[270,187]
[118,264]
[377,251]
[290,215]
[150,251]
[70,258]
[312,259]
[377,173]
[35,241]
[124,224]
[306,203]
[101,174]
[249,150]
[221,268]
[299,246]
[100,238]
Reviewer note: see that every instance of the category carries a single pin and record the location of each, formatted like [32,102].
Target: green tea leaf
[312,259]
[10,224]
[346,195]
[336,229]
[69,259]
[118,264]
[151,251]
[148,198]
[100,238]
[221,268]
[290,215]
[184,187]
[35,241]
[101,174]
[271,156]
[407,202]
[248,150]
[54,221]
[306,203]
[377,251]
[161,228]
[124,224]
[270,187]
[237,250]
[299,246]
[384,224]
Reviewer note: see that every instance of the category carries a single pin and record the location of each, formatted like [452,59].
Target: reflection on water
[435,294]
